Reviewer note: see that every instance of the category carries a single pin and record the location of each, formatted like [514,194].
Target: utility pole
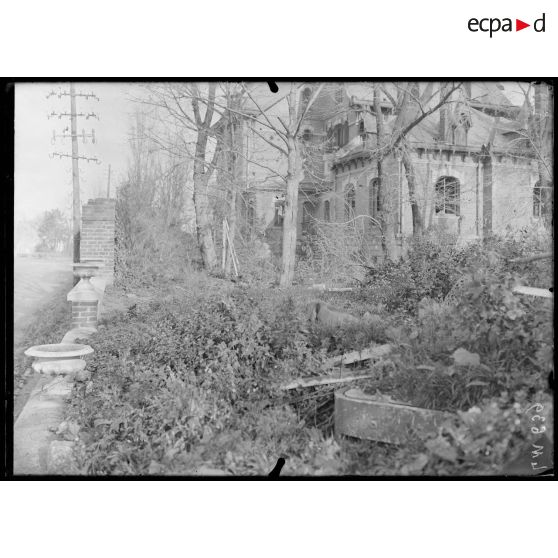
[76,229]
[73,115]
[108,184]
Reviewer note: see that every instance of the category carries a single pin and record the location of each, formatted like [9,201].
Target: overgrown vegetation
[190,384]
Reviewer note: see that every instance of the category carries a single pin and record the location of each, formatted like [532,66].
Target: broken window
[447,195]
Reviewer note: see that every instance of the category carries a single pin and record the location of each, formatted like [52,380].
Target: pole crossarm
[65,93]
[88,159]
[60,115]
[83,136]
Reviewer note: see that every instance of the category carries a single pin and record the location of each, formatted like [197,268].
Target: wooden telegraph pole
[73,115]
[108,183]
[75,175]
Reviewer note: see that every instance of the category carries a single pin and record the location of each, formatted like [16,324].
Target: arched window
[541,200]
[327,211]
[374,199]
[350,203]
[345,132]
[307,135]
[338,135]
[361,130]
[447,195]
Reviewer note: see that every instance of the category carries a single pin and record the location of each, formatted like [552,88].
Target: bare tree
[191,110]
[537,137]
[289,146]
[413,107]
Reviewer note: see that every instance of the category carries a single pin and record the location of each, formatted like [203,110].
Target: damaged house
[463,159]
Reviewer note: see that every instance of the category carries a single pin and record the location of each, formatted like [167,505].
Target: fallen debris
[393,422]
[322,287]
[310,381]
[533,291]
[375,352]
[462,357]
[534,258]
[325,315]
[425,367]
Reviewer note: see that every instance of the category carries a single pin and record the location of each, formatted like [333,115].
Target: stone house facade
[475,171]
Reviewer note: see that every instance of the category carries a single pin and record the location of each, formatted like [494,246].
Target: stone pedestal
[84,298]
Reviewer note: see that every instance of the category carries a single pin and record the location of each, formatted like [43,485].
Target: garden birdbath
[59,358]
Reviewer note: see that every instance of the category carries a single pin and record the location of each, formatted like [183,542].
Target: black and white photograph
[305,278]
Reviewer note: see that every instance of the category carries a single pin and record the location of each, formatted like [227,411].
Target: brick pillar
[84,302]
[84,314]
[97,234]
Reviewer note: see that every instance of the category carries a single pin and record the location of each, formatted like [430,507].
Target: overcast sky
[43,183]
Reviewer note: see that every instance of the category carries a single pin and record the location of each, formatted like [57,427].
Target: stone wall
[97,234]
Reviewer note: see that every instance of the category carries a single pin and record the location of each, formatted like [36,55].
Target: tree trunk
[294,176]
[201,205]
[235,137]
[543,129]
[389,245]
[412,185]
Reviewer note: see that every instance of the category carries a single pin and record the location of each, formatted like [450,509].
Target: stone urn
[86,270]
[59,358]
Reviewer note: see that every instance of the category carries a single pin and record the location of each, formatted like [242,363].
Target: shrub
[486,438]
[176,374]
[434,270]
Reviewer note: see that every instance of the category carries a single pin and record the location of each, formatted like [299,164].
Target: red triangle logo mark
[519,25]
